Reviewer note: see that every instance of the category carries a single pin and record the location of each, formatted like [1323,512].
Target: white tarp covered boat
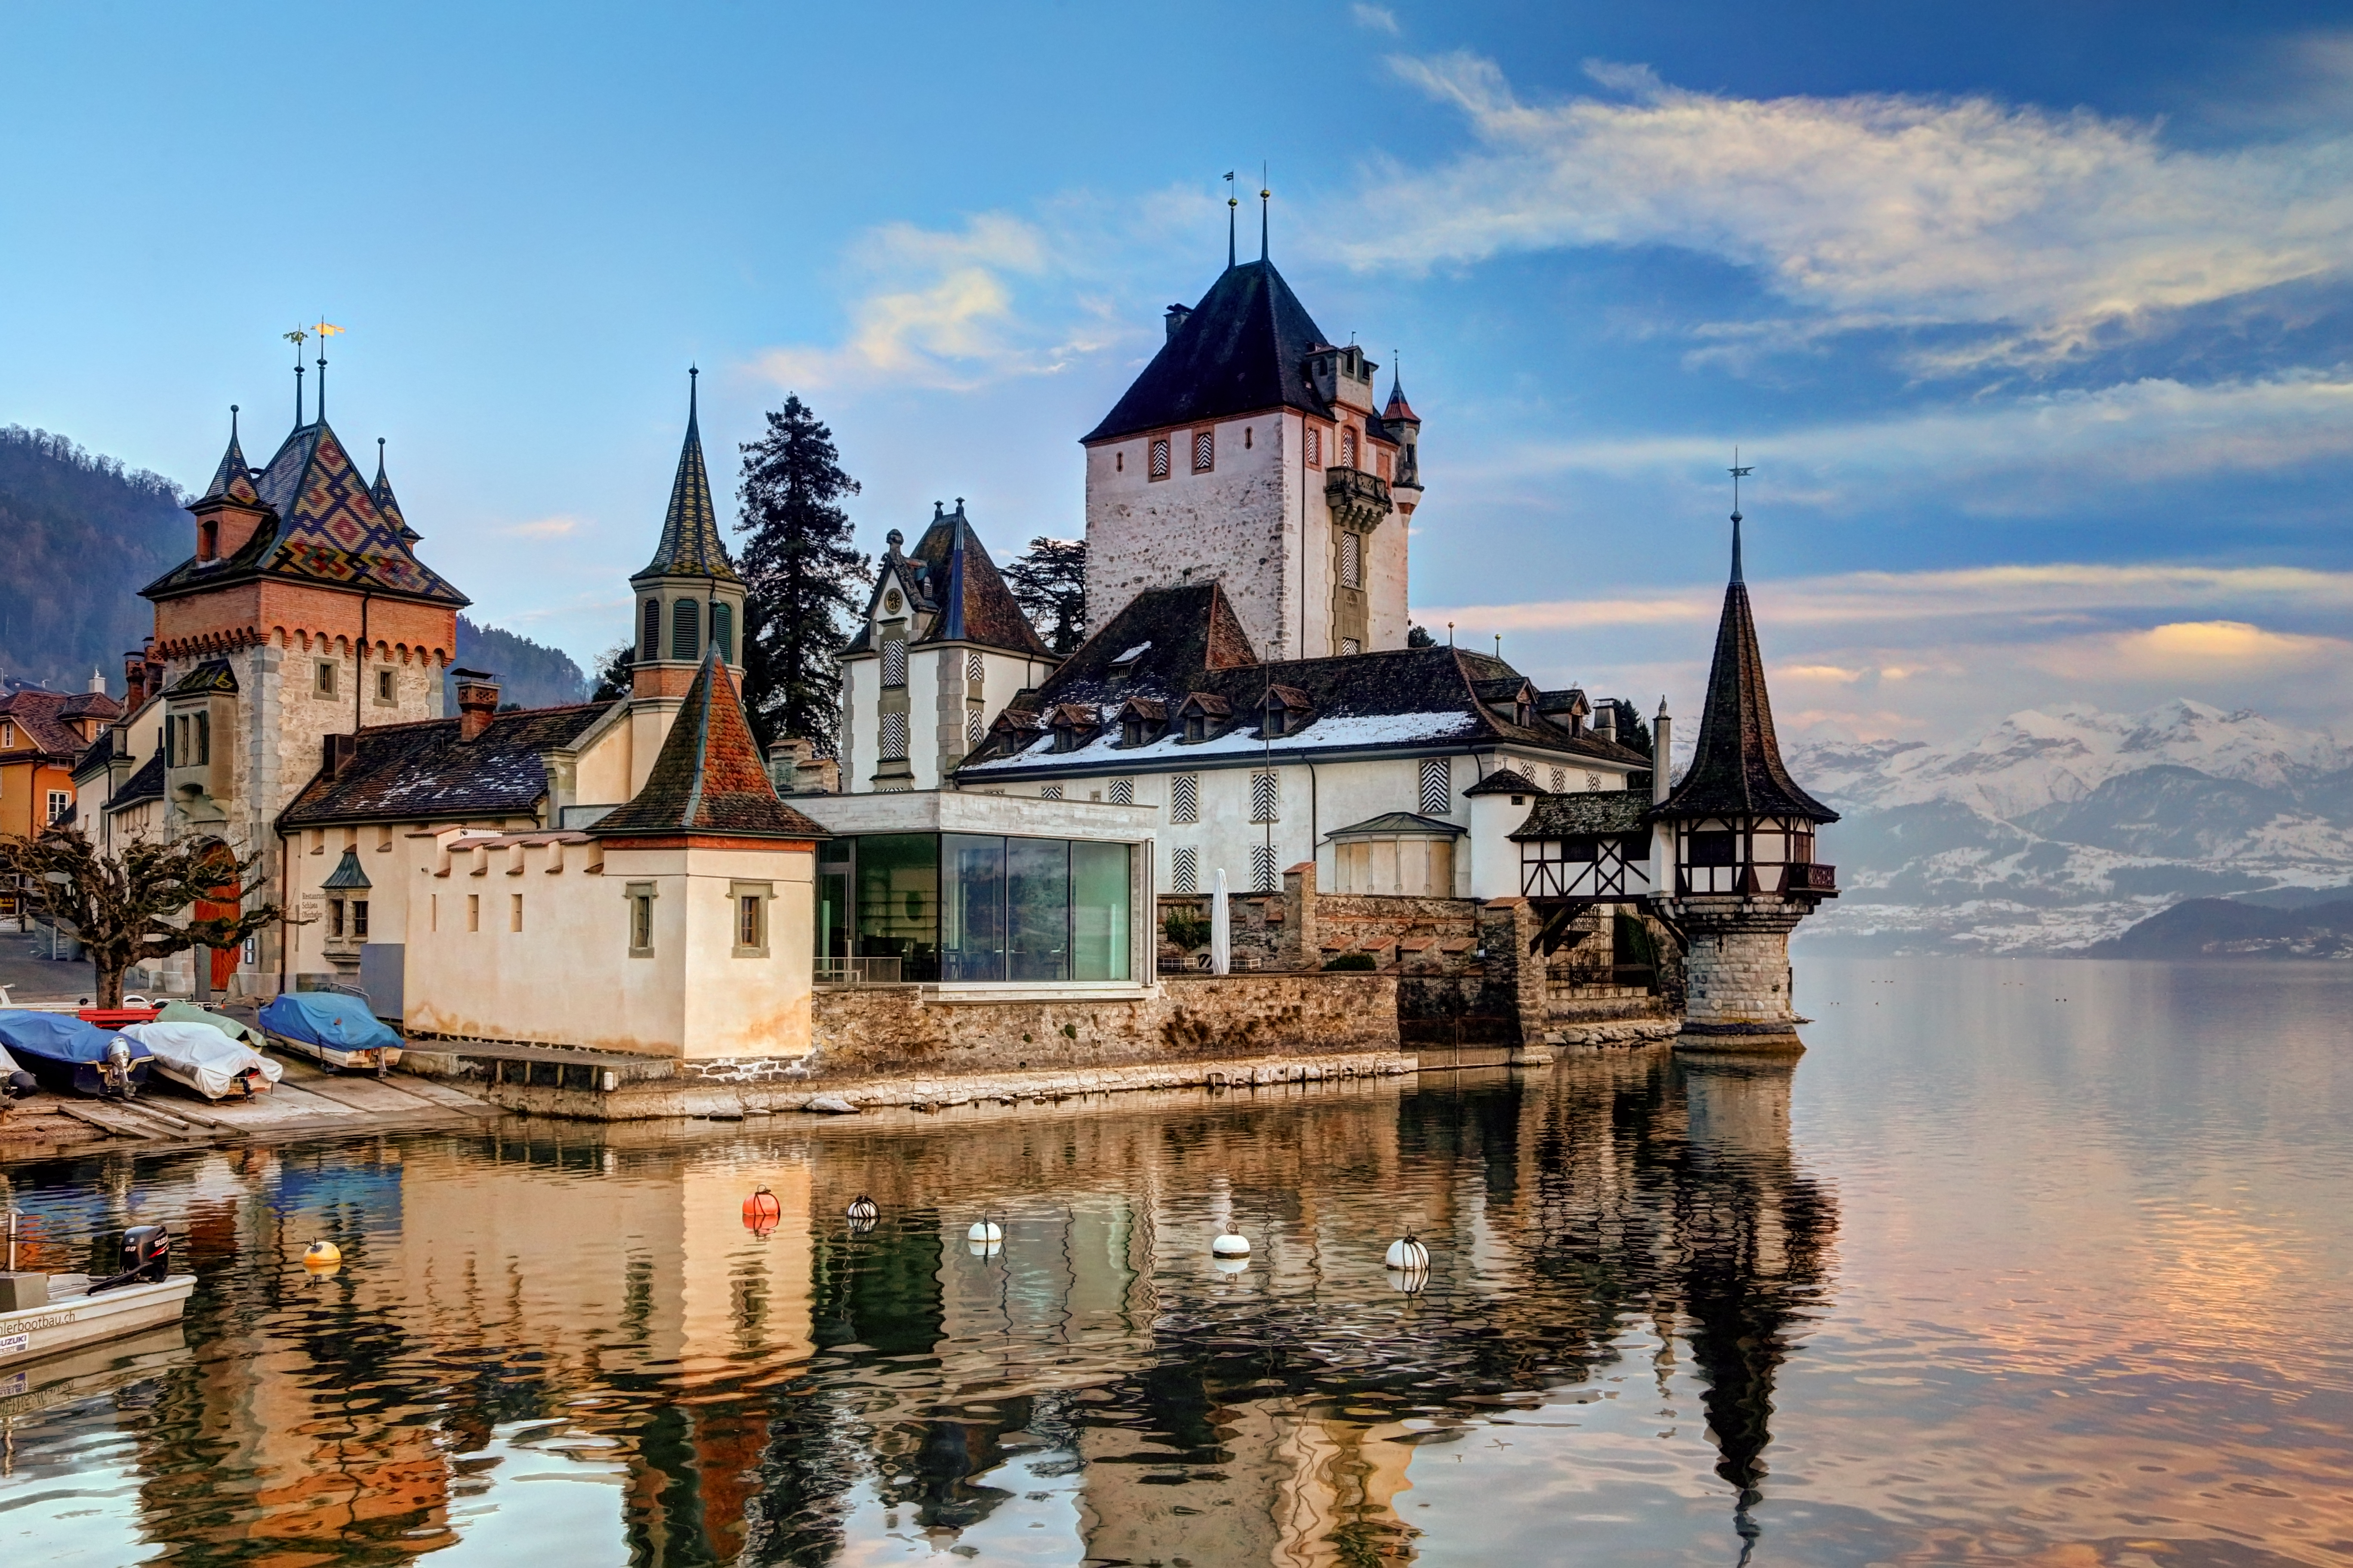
[202,1057]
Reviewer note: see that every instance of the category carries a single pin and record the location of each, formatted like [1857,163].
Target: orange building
[42,733]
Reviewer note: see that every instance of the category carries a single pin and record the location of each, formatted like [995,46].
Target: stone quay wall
[1738,968]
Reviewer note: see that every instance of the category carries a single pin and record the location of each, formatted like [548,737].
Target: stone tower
[1739,838]
[690,599]
[302,616]
[1251,451]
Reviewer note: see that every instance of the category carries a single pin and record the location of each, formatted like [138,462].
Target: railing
[1812,879]
[859,972]
[1361,498]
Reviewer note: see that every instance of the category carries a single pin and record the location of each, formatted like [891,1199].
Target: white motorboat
[42,1314]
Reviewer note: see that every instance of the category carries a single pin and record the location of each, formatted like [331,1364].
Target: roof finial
[298,337]
[1232,202]
[1266,194]
[1738,473]
[693,380]
[379,459]
[232,422]
[326,329]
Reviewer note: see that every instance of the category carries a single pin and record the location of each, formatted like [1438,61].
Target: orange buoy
[761,1212]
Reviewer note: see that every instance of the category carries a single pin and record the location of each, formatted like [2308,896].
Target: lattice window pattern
[1159,463]
[1593,781]
[1560,780]
[1351,559]
[973,731]
[1123,792]
[1185,871]
[974,669]
[1266,796]
[1262,870]
[1351,646]
[1347,448]
[1049,792]
[894,735]
[1204,452]
[1436,785]
[1185,798]
[894,661]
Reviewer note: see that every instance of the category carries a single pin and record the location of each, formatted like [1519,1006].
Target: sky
[2035,321]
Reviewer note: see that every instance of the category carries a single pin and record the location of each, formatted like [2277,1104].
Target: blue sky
[2034,320]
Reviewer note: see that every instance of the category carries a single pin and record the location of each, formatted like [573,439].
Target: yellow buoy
[323,1255]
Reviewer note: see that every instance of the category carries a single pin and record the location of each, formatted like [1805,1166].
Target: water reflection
[576,1313]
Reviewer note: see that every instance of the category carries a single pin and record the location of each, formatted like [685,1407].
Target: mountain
[531,674]
[2053,831]
[2225,928]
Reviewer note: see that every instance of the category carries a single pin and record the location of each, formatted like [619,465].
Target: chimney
[1605,720]
[477,701]
[342,751]
[786,757]
[134,679]
[1661,753]
[1177,316]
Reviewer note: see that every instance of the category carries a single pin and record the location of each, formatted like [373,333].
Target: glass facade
[977,907]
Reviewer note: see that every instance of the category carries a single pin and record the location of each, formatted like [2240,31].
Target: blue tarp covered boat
[68,1055]
[331,1028]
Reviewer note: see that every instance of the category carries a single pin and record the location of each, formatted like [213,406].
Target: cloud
[555,527]
[2181,647]
[2043,229]
[1375,18]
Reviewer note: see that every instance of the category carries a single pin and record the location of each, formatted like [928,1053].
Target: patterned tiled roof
[211,675]
[1737,768]
[328,530]
[690,543]
[1243,348]
[381,493]
[233,479]
[1398,410]
[428,772]
[709,778]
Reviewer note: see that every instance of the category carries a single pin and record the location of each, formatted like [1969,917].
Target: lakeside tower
[1738,842]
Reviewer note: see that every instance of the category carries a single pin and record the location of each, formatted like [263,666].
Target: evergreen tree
[798,566]
[1049,583]
[1418,636]
[613,672]
[1633,732]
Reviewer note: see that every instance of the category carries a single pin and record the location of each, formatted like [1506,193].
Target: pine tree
[798,566]
[613,677]
[1632,732]
[1049,583]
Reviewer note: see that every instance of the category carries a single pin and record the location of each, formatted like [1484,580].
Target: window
[894,735]
[1350,645]
[207,539]
[1205,450]
[515,911]
[1593,781]
[359,920]
[894,661]
[975,667]
[1351,559]
[473,912]
[1269,723]
[1717,849]
[383,689]
[1158,465]
[1262,877]
[334,920]
[686,629]
[751,916]
[1184,871]
[973,731]
[1314,446]
[1185,798]
[651,642]
[1348,446]
[1119,462]
[384,837]
[1560,780]
[60,802]
[723,630]
[326,678]
[1246,437]
[1049,792]
[1266,796]
[1436,785]
[1197,727]
[641,919]
[1123,792]
[433,913]
[7,736]
[1131,731]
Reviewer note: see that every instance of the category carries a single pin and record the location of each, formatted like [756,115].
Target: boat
[74,1375]
[52,1312]
[332,1029]
[69,1055]
[206,1053]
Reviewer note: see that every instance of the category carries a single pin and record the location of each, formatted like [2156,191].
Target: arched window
[652,641]
[685,629]
[722,629]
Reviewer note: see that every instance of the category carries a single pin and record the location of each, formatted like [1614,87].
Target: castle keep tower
[690,599]
[1738,839]
[1252,451]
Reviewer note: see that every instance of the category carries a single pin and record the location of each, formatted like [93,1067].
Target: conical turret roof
[1398,410]
[707,779]
[386,502]
[1737,769]
[233,480]
[690,542]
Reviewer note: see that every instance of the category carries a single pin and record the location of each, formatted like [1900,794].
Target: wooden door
[221,904]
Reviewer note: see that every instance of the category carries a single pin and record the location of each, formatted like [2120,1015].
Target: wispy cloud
[2043,229]
[555,527]
[1375,18]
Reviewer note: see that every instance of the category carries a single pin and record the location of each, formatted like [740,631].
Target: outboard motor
[18,1085]
[117,1071]
[146,1257]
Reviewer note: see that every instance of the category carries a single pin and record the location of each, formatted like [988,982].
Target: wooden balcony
[1819,881]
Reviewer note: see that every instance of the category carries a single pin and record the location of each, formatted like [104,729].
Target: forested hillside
[83,535]
[531,674]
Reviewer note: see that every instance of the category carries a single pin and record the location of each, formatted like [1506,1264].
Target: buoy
[985,1230]
[1229,1265]
[1230,1243]
[323,1255]
[1407,1256]
[864,1211]
[761,1211]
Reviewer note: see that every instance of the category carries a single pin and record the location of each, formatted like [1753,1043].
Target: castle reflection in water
[594,1298]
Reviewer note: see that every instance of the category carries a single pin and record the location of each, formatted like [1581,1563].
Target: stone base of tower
[1737,975]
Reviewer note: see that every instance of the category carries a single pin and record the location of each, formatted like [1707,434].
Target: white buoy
[1229,1265]
[863,1210]
[985,1230]
[1232,1244]
[1407,1256]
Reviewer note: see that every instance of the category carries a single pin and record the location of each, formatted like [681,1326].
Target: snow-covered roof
[1336,734]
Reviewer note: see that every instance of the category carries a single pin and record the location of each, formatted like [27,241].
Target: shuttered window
[1185,798]
[894,661]
[1314,448]
[972,730]
[686,629]
[1351,646]
[1266,796]
[1159,465]
[1185,871]
[1436,785]
[723,630]
[1351,559]
[652,640]
[1049,792]
[974,669]
[1123,792]
[1262,878]
[1204,452]
[1347,448]
[894,735]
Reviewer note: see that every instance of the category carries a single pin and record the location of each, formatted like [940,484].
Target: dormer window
[1197,727]
[1131,731]
[1273,725]
[1524,713]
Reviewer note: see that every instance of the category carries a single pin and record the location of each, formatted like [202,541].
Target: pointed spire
[709,778]
[232,479]
[690,543]
[387,505]
[1232,203]
[1266,194]
[1738,473]
[1399,412]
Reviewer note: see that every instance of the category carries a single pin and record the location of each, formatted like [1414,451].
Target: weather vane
[1738,474]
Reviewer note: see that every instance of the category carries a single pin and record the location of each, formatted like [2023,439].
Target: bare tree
[128,908]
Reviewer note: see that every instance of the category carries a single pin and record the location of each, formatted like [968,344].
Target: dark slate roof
[709,778]
[348,872]
[1405,697]
[324,527]
[690,543]
[1243,348]
[1505,781]
[952,580]
[145,783]
[426,772]
[1593,813]
[233,480]
[386,502]
[1399,822]
[211,675]
[40,718]
[1736,765]
[1399,411]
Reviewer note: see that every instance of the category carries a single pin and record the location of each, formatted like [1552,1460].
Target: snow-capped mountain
[2051,830]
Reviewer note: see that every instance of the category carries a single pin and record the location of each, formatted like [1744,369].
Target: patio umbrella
[1222,931]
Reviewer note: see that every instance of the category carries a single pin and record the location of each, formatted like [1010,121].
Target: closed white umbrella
[1222,931]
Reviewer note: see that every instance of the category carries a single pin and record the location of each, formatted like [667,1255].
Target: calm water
[2022,1263]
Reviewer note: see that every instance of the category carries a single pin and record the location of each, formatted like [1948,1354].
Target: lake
[2041,1263]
